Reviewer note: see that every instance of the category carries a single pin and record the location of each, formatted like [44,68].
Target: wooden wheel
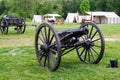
[47,47]
[22,26]
[93,46]
[4,26]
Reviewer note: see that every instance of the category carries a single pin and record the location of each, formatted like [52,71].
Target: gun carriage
[10,20]
[51,45]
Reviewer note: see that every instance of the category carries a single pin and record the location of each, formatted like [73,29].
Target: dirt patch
[7,42]
[112,39]
[29,41]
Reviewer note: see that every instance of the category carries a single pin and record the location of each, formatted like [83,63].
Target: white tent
[105,17]
[37,18]
[55,15]
[86,17]
[72,17]
[51,16]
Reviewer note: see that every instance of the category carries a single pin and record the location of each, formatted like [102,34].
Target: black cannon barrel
[74,32]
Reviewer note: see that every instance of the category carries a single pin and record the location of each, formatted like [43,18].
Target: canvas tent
[72,17]
[37,18]
[87,18]
[55,15]
[104,17]
[51,16]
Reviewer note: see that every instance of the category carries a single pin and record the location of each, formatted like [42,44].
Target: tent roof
[73,14]
[106,14]
[36,15]
[55,15]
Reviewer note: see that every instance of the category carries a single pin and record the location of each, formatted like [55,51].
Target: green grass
[18,63]
[111,30]
[18,60]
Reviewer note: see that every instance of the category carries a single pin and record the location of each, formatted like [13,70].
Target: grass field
[18,60]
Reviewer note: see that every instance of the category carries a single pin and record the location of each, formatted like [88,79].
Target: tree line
[27,8]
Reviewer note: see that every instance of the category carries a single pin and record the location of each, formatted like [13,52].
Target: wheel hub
[88,43]
[44,47]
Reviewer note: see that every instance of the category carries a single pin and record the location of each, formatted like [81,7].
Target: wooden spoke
[51,39]
[42,34]
[88,55]
[96,39]
[94,50]
[46,35]
[92,54]
[45,60]
[85,54]
[40,39]
[94,35]
[82,52]
[53,50]
[49,36]
[91,32]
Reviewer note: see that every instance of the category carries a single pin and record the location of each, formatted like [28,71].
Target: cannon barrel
[73,33]
[70,36]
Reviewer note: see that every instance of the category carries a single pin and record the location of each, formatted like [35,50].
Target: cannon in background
[10,20]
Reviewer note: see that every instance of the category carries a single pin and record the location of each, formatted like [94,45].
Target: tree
[70,6]
[113,5]
[2,7]
[27,8]
[100,5]
[84,6]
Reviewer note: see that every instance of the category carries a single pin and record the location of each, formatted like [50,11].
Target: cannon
[10,20]
[51,45]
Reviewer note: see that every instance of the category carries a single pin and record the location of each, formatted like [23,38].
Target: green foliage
[113,6]
[27,8]
[98,5]
[70,6]
[105,5]
[2,6]
[24,9]
[84,6]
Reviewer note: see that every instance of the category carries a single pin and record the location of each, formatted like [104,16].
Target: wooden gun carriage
[10,20]
[51,45]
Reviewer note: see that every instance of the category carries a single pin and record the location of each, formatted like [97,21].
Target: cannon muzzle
[80,31]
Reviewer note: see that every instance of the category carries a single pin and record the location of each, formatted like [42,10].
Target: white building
[105,17]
